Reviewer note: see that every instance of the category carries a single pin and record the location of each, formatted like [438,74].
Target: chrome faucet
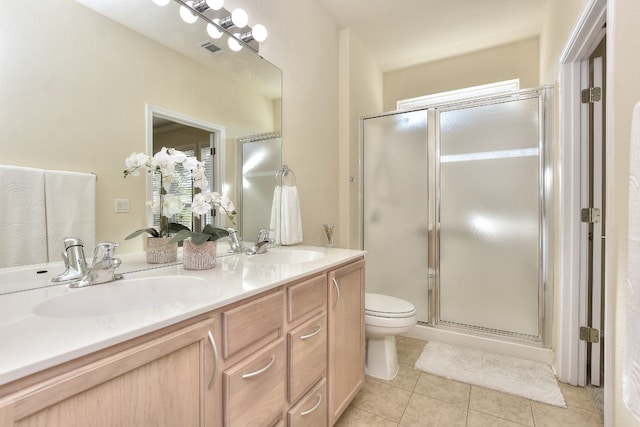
[102,268]
[235,245]
[262,240]
[74,261]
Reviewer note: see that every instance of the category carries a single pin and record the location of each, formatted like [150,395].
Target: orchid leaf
[151,231]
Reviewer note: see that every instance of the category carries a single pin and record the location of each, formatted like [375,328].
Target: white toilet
[384,318]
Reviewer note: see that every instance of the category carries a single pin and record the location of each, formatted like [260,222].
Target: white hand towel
[291,218]
[631,372]
[22,216]
[71,209]
[276,214]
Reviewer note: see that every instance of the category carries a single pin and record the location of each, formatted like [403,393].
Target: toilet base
[382,357]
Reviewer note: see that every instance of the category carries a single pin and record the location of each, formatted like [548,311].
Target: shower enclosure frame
[544,94]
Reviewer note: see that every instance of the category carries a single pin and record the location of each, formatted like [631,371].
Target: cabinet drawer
[254,389]
[256,322]
[307,351]
[306,297]
[312,409]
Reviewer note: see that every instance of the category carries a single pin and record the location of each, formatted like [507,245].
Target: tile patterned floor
[416,398]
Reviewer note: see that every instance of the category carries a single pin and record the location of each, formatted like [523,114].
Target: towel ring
[282,173]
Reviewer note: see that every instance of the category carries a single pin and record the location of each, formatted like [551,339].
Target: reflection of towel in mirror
[291,219]
[286,222]
[71,209]
[276,211]
[22,216]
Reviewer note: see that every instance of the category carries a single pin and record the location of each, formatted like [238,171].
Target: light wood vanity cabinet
[346,337]
[292,356]
[155,383]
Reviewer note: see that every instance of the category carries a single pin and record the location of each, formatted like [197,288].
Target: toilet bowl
[384,318]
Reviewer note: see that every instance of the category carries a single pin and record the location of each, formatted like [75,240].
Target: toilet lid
[387,306]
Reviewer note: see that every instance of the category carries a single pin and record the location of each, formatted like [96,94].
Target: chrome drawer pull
[335,283]
[259,371]
[216,362]
[308,411]
[312,334]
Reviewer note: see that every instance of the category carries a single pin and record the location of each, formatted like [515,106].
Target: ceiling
[403,33]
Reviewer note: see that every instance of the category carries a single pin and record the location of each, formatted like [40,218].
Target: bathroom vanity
[277,340]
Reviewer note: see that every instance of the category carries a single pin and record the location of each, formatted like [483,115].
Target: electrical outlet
[122,205]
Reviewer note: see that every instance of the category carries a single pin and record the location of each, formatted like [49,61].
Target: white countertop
[30,342]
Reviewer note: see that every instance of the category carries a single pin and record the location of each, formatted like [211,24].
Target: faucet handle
[263,235]
[104,251]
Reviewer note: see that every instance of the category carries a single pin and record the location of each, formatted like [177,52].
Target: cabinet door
[254,389]
[346,336]
[158,383]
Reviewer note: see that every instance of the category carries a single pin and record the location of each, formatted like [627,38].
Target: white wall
[360,95]
[518,60]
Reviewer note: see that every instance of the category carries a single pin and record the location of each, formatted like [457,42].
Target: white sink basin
[286,256]
[125,295]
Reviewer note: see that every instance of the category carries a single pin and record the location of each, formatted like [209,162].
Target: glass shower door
[395,227]
[489,216]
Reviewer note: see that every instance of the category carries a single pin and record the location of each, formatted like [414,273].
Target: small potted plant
[160,248]
[199,248]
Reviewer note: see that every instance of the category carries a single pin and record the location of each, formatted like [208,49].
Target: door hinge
[590,215]
[212,150]
[589,334]
[591,95]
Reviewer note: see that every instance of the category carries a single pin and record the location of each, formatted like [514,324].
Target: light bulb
[213,31]
[215,4]
[186,14]
[161,2]
[239,18]
[259,33]
[234,44]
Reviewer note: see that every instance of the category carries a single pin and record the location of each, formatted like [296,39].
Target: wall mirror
[80,103]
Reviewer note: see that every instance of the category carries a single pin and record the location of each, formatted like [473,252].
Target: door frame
[571,304]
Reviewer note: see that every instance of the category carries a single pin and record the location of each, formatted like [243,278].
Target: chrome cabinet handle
[335,283]
[308,411]
[216,361]
[259,371]
[312,334]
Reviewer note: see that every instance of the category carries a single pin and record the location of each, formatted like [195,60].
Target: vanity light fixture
[238,18]
[220,21]
[186,14]
[215,4]
[213,30]
[257,33]
[161,2]
[234,44]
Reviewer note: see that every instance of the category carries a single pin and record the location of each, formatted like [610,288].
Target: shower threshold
[508,344]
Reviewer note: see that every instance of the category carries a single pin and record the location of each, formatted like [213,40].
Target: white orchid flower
[200,206]
[177,157]
[167,180]
[192,165]
[171,205]
[227,204]
[215,197]
[200,180]
[136,161]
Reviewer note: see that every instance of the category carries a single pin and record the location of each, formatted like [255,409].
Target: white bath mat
[532,380]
